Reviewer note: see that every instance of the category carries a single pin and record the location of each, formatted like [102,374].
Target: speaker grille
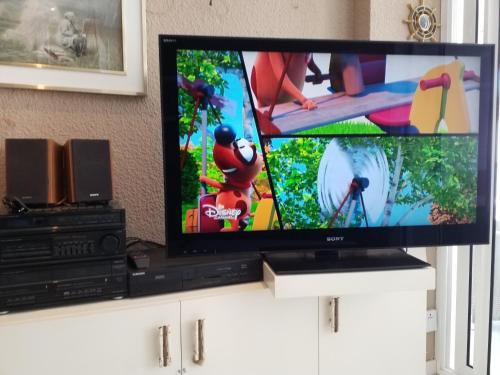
[89,171]
[27,170]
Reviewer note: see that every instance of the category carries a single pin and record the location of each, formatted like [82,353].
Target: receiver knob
[110,243]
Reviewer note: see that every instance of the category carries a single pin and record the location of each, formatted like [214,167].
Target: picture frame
[64,68]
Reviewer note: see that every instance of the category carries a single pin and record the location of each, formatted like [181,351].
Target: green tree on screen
[294,168]
[208,66]
[190,179]
[441,170]
[446,168]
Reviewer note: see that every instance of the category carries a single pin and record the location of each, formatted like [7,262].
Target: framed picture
[72,45]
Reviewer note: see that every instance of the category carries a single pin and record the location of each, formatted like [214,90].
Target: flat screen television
[280,144]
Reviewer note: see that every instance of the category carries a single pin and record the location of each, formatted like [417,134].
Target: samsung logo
[334,239]
[94,195]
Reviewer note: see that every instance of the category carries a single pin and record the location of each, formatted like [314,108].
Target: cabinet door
[124,342]
[252,334]
[378,334]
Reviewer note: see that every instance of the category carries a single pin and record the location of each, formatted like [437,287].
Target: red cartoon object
[240,163]
[279,78]
[266,78]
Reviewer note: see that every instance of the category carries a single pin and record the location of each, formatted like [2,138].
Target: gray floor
[495,349]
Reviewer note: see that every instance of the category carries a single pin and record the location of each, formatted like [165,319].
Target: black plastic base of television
[341,260]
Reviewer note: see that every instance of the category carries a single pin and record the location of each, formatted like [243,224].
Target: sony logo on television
[94,195]
[334,239]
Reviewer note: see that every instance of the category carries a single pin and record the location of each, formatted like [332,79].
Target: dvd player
[26,288]
[167,275]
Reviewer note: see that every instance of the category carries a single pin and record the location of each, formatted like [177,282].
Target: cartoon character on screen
[279,77]
[240,163]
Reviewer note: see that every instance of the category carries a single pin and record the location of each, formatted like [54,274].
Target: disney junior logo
[221,213]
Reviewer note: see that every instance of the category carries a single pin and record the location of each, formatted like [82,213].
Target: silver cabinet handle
[334,314]
[199,342]
[164,340]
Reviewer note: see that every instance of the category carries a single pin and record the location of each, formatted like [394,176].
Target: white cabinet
[252,334]
[247,332]
[377,334]
[123,342]
[381,318]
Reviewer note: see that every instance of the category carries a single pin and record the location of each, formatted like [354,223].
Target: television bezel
[180,243]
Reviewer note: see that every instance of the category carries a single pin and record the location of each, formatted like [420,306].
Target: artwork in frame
[73,45]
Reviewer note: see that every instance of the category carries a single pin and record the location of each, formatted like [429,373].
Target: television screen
[273,143]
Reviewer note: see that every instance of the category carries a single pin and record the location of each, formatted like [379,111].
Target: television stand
[344,272]
[341,260]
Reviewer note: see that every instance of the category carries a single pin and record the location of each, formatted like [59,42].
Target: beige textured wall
[133,124]
[362,19]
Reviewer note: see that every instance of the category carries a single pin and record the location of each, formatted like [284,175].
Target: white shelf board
[348,283]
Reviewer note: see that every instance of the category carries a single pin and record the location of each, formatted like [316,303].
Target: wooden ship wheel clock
[422,22]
